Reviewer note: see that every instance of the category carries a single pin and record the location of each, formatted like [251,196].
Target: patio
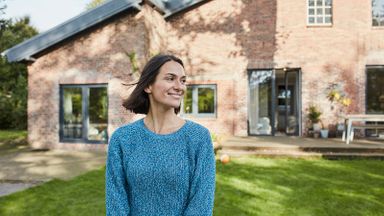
[291,146]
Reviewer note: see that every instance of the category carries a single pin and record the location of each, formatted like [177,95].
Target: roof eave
[18,53]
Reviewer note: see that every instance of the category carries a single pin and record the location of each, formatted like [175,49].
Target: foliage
[13,76]
[314,114]
[338,98]
[94,3]
[245,186]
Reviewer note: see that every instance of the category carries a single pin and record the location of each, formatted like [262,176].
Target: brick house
[254,66]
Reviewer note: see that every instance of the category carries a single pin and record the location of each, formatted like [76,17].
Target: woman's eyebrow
[174,75]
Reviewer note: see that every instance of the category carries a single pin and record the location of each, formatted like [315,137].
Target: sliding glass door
[274,102]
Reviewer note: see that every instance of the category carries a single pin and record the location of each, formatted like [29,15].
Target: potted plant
[314,117]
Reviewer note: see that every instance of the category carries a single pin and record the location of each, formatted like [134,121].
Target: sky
[45,14]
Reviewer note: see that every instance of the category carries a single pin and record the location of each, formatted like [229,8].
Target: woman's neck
[162,121]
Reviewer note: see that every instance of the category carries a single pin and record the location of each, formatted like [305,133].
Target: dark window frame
[195,88]
[85,114]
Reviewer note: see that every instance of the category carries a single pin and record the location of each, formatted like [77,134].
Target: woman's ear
[148,89]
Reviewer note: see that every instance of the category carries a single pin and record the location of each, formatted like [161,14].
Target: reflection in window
[206,98]
[73,124]
[375,90]
[188,108]
[97,129]
[378,12]
[319,12]
[84,113]
[200,100]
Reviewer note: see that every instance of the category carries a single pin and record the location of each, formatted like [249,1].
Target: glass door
[291,105]
[261,106]
[274,102]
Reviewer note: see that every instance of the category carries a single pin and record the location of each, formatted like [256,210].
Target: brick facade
[219,42]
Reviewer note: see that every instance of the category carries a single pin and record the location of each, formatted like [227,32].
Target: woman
[161,164]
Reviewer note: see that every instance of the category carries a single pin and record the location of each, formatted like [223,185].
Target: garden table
[349,119]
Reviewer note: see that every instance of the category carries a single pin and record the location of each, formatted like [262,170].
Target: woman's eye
[183,81]
[169,78]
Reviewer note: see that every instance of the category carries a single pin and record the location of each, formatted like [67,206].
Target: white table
[349,119]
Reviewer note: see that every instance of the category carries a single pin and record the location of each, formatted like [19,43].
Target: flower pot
[316,126]
[324,133]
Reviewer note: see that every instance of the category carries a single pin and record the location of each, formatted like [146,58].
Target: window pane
[311,2]
[319,20]
[328,20]
[377,11]
[311,20]
[311,11]
[375,91]
[206,100]
[328,11]
[260,91]
[328,2]
[319,11]
[188,101]
[72,107]
[319,2]
[98,114]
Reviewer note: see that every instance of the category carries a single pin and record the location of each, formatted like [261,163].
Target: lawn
[245,186]
[12,141]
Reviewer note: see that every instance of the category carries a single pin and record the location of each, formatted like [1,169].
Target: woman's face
[169,86]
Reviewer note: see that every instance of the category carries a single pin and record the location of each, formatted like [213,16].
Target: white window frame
[195,88]
[315,16]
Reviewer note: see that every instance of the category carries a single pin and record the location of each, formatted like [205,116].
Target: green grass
[7,135]
[12,141]
[245,186]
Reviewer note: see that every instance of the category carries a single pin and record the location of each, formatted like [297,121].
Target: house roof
[85,20]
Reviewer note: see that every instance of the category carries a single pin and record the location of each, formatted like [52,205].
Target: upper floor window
[378,12]
[200,100]
[319,12]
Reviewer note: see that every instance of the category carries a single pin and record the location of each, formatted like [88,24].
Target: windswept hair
[138,101]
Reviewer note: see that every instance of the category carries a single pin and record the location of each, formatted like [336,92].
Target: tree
[94,3]
[13,76]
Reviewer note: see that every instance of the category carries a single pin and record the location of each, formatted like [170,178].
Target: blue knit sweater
[154,174]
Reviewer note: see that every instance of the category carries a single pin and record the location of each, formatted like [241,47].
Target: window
[200,100]
[83,113]
[319,12]
[378,12]
[375,90]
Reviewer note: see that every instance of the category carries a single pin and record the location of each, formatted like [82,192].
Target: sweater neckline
[148,131]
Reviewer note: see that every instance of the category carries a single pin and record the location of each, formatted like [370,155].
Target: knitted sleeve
[202,189]
[115,183]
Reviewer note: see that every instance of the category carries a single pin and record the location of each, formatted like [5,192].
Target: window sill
[319,25]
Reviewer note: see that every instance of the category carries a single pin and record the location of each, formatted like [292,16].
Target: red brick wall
[98,56]
[337,53]
[219,41]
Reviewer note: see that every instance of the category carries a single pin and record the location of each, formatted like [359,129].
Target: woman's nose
[179,85]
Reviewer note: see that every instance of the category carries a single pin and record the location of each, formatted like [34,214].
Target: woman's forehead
[172,67]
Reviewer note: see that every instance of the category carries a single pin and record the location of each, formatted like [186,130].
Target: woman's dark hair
[138,101]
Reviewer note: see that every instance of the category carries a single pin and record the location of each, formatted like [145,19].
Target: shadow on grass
[260,186]
[245,186]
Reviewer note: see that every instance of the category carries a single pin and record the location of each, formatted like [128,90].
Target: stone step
[318,149]
[298,154]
